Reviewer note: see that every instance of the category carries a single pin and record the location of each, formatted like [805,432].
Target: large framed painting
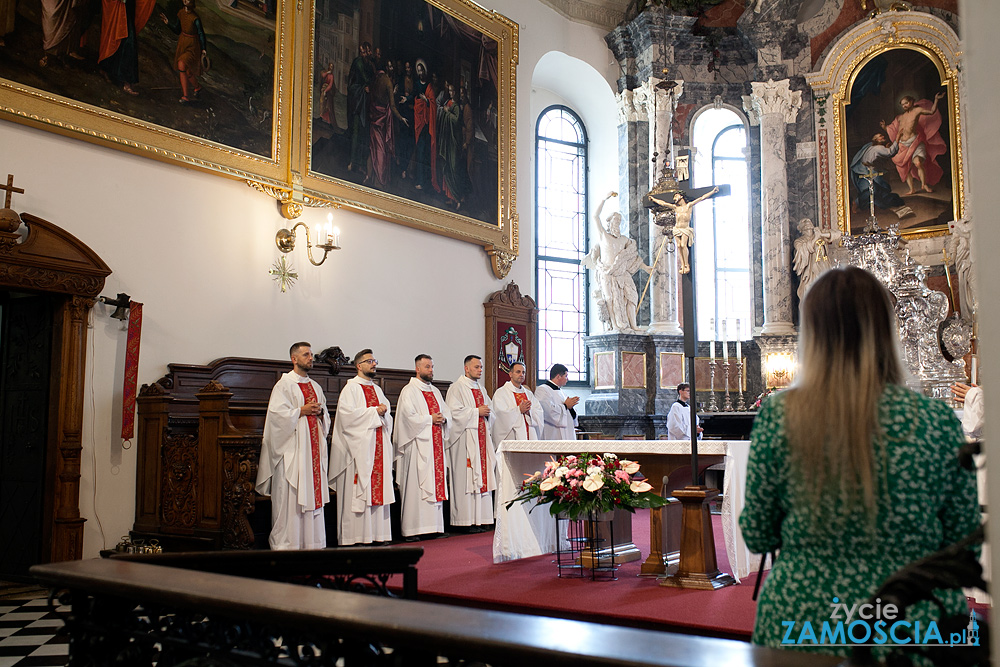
[410,116]
[197,83]
[900,153]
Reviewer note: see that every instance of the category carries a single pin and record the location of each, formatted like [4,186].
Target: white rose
[639,487]
[593,483]
[594,471]
[561,471]
[610,456]
[550,483]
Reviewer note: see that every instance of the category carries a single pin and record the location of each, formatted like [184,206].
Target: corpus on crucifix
[683,233]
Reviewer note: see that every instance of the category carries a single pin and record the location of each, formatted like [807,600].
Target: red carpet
[460,570]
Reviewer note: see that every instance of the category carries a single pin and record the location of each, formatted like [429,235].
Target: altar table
[520,534]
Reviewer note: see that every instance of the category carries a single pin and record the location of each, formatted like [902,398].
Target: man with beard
[359,81]
[421,433]
[361,457]
[293,456]
[470,450]
[425,131]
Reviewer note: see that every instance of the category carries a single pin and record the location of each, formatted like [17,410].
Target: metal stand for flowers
[584,548]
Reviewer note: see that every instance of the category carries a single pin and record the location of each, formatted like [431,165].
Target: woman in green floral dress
[851,475]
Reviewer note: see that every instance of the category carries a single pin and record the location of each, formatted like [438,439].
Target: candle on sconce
[739,335]
[336,237]
[725,343]
[711,325]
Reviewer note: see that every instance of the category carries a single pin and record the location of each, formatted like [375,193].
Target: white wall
[195,249]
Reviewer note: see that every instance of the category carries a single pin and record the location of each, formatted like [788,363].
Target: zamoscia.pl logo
[874,625]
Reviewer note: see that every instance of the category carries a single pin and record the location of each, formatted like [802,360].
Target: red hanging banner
[131,369]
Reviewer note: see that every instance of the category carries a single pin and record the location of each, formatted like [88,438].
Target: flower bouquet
[588,483]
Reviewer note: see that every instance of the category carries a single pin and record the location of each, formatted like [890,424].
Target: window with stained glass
[561,241]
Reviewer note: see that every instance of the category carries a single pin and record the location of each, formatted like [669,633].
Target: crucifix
[10,189]
[872,225]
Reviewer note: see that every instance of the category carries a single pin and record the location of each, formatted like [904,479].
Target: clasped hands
[311,409]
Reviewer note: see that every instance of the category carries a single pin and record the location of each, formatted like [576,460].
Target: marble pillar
[634,174]
[773,105]
[664,286]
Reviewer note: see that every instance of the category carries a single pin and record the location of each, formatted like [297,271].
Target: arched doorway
[48,283]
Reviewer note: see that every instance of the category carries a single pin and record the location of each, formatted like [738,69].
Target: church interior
[181,224]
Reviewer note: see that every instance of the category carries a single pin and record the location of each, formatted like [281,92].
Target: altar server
[518,416]
[679,418]
[470,448]
[361,457]
[558,410]
[421,433]
[293,456]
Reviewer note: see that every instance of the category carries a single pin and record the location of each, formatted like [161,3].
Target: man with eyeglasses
[293,456]
[518,414]
[421,436]
[473,460]
[361,458]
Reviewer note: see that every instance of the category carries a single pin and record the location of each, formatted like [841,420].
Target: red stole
[437,436]
[521,397]
[478,396]
[371,399]
[309,394]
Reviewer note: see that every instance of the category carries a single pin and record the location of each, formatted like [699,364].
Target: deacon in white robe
[470,449]
[679,417]
[558,410]
[293,457]
[420,436]
[518,416]
[361,458]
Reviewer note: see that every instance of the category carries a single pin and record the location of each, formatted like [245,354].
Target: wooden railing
[135,613]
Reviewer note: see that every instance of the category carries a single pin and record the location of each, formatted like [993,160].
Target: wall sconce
[779,369]
[121,304]
[329,239]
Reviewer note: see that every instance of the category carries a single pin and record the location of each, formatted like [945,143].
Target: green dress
[930,503]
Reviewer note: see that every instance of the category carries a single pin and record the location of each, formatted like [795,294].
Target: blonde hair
[848,354]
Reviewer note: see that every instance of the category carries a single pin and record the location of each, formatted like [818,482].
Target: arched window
[722,243]
[561,241]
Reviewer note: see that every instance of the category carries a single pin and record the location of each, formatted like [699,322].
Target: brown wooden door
[25,356]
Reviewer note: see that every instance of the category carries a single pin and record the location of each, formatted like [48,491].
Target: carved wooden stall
[199,437]
[49,260]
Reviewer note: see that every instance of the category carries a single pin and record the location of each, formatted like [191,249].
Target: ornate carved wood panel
[507,311]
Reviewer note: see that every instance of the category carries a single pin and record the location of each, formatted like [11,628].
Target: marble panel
[633,370]
[604,370]
[671,369]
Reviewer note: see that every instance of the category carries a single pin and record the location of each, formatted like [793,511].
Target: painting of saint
[897,133]
[418,92]
[204,71]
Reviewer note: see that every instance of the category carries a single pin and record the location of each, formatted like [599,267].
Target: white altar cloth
[522,534]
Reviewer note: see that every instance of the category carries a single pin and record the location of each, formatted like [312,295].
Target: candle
[336,237]
[739,335]
[975,364]
[725,343]
[711,325]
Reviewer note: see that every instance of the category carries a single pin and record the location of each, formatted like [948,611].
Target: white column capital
[772,97]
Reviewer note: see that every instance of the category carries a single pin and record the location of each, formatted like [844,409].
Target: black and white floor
[29,633]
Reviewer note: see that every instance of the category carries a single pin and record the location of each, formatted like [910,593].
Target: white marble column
[772,105]
[663,288]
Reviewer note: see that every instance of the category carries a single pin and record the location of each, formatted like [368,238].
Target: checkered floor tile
[29,634]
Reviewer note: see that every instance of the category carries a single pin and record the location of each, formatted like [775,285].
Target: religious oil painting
[192,81]
[412,114]
[900,135]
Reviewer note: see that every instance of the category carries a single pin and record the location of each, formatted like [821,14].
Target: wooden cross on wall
[10,189]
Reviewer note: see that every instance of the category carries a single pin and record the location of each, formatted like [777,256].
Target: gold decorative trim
[604,354]
[634,354]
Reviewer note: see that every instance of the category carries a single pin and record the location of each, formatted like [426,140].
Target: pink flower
[573,483]
[621,476]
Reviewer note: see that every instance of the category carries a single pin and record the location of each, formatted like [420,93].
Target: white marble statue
[812,256]
[614,258]
[959,247]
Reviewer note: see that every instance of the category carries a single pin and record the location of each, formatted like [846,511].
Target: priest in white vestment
[470,450]
[558,410]
[361,458]
[293,456]
[517,415]
[422,419]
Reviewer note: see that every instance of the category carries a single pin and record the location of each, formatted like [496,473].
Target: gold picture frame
[460,43]
[66,88]
[885,91]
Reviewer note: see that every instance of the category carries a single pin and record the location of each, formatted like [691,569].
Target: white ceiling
[604,14]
